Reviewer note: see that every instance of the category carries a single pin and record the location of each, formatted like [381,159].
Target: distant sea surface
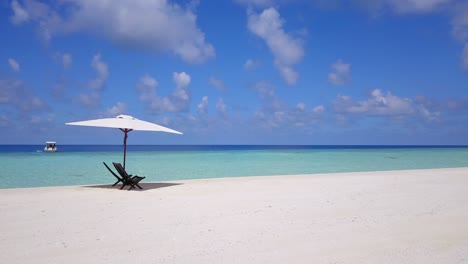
[29,166]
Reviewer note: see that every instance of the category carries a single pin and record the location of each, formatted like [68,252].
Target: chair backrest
[121,170]
[113,173]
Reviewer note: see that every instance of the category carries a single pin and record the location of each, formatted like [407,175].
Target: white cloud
[14,93]
[248,65]
[14,65]
[67,60]
[102,71]
[34,103]
[427,115]
[20,15]
[318,109]
[301,106]
[275,113]
[380,104]
[251,65]
[465,57]
[267,94]
[203,105]
[259,3]
[47,20]
[416,6]
[147,88]
[151,25]
[403,6]
[35,120]
[91,100]
[178,101]
[181,80]
[118,109]
[341,73]
[9,91]
[221,107]
[460,22]
[217,83]
[286,49]
[377,104]
[288,73]
[264,89]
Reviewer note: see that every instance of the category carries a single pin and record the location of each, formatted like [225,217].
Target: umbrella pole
[126,130]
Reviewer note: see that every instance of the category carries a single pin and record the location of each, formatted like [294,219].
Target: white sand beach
[414,216]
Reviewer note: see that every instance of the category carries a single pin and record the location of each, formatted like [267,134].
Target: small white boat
[51,146]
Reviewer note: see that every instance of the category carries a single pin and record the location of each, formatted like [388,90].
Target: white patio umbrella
[126,124]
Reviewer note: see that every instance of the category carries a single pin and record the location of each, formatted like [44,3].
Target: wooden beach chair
[115,175]
[128,179]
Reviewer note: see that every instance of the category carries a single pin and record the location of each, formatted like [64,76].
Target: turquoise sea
[28,166]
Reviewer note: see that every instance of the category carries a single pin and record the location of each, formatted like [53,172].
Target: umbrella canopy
[126,124]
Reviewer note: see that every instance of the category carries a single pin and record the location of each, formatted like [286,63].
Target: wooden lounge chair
[128,179]
[115,175]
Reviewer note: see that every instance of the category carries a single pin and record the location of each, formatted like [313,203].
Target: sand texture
[415,216]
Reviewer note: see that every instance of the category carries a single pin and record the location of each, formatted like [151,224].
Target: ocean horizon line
[28,148]
[308,145]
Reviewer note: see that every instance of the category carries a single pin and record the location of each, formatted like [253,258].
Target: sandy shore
[418,216]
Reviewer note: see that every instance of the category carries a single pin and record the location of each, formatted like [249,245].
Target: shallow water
[27,166]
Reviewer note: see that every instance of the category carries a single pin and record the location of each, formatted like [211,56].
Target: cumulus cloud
[287,50]
[14,93]
[457,104]
[178,101]
[378,103]
[275,113]
[318,109]
[102,72]
[91,100]
[20,15]
[416,6]
[259,3]
[181,79]
[139,24]
[403,6]
[203,105]
[217,83]
[386,104]
[221,107]
[15,66]
[117,109]
[428,116]
[67,60]
[341,73]
[8,91]
[267,93]
[301,106]
[47,20]
[251,65]
[460,22]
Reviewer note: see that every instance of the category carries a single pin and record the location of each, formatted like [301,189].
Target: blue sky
[236,71]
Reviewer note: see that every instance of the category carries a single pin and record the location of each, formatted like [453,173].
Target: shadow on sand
[145,186]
